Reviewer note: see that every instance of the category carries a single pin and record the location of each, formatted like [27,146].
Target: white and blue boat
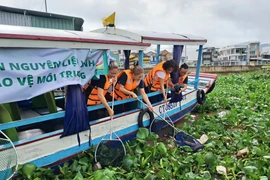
[34,118]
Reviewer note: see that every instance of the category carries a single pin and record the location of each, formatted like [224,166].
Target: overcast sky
[221,22]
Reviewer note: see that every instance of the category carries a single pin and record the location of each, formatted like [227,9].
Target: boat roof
[155,37]
[31,37]
[78,22]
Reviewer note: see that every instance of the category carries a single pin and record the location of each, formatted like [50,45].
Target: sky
[221,22]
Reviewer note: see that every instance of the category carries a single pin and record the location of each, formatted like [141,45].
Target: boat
[38,116]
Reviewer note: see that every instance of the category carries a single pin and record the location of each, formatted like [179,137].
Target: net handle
[166,95]
[16,167]
[111,117]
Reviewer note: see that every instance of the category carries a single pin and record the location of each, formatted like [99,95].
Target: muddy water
[195,116]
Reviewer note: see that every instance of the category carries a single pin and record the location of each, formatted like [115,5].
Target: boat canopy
[155,37]
[30,37]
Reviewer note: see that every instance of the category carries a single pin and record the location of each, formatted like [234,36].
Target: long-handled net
[182,138]
[159,126]
[110,151]
[8,157]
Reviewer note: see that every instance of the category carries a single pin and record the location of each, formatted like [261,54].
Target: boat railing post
[141,56]
[198,68]
[157,53]
[177,53]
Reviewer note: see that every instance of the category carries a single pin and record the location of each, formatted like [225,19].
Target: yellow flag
[109,21]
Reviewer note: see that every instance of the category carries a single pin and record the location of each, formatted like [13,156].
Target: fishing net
[110,152]
[8,157]
[184,139]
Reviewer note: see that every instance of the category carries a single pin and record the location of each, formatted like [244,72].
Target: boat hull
[49,149]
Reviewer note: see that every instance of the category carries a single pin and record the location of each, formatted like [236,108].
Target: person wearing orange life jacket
[182,77]
[158,77]
[103,87]
[128,81]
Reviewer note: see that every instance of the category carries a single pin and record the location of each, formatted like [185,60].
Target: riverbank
[222,69]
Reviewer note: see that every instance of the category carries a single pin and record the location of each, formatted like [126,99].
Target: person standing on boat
[183,77]
[128,81]
[102,88]
[158,77]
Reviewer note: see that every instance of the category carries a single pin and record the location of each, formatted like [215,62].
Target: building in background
[247,53]
[233,55]
[152,57]
[165,55]
[265,53]
[253,53]
[209,56]
[24,17]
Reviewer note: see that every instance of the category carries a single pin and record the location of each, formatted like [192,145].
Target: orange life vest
[93,98]
[181,79]
[153,80]
[86,86]
[130,85]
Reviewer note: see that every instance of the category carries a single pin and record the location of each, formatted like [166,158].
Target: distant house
[209,56]
[152,56]
[24,17]
[165,55]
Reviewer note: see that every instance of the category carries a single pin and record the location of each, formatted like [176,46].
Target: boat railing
[61,114]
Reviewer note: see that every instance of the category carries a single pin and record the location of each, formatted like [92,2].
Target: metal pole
[185,53]
[158,53]
[141,55]
[198,68]
[46,5]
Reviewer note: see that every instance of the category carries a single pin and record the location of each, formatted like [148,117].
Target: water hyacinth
[238,144]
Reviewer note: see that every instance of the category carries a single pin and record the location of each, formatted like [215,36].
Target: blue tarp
[76,115]
[176,97]
[184,139]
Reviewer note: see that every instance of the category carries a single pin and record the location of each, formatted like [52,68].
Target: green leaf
[84,161]
[28,169]
[142,134]
[98,175]
[188,159]
[249,170]
[127,162]
[78,176]
[108,172]
[138,150]
[206,175]
[266,157]
[257,151]
[191,175]
[162,148]
[145,160]
[150,177]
